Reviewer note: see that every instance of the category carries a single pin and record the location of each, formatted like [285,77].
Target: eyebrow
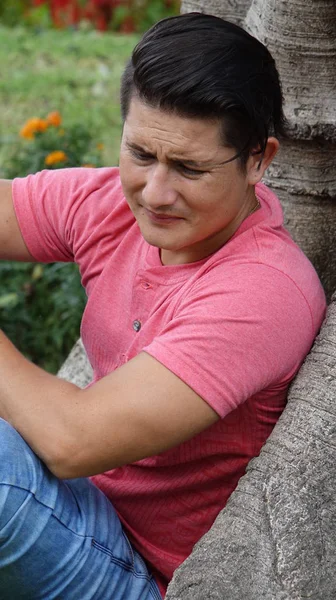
[176,160]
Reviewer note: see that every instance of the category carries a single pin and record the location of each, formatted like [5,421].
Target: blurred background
[61,62]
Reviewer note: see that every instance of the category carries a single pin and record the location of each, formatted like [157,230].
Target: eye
[188,171]
[141,156]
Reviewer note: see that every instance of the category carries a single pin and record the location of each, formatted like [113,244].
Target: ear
[258,163]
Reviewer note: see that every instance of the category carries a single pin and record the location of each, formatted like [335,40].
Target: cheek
[122,170]
[129,175]
[211,204]
[124,161]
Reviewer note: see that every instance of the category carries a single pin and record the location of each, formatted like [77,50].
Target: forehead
[150,126]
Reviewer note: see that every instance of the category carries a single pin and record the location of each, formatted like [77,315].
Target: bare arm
[12,246]
[139,410]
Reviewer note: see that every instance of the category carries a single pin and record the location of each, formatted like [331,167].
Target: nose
[159,189]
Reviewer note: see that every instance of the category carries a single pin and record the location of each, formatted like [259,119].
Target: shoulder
[62,182]
[260,290]
[62,211]
[262,260]
[67,197]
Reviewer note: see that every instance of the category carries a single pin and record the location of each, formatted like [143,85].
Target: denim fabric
[61,539]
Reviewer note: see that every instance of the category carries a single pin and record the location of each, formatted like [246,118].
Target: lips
[160,217]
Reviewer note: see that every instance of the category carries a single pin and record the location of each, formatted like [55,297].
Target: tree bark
[77,368]
[275,540]
[301,35]
[231,10]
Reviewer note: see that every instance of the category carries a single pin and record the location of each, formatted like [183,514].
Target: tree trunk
[275,540]
[301,35]
[231,10]
[77,368]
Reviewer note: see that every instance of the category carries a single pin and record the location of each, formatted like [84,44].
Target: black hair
[198,65]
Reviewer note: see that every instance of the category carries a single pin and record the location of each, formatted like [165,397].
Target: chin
[154,238]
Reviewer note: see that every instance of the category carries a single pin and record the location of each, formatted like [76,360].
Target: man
[200,311]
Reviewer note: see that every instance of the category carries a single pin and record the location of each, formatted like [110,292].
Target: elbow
[61,470]
[61,460]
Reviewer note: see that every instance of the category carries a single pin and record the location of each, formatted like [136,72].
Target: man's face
[185,200]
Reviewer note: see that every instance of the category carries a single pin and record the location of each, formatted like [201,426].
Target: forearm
[75,432]
[40,406]
[139,410]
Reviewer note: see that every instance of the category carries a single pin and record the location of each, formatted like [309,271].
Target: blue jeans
[61,539]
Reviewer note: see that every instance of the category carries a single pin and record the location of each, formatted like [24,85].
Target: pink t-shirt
[235,327]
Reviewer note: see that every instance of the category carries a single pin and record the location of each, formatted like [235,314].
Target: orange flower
[32,126]
[54,118]
[100,147]
[55,157]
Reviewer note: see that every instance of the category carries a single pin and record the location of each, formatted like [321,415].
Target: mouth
[160,217]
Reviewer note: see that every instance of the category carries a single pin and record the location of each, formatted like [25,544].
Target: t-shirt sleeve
[57,209]
[230,341]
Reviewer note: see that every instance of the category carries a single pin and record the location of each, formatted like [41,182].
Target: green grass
[77,73]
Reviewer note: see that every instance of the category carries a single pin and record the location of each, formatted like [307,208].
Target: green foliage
[12,12]
[127,15]
[21,11]
[53,148]
[42,305]
[78,74]
[41,309]
[74,72]
[140,15]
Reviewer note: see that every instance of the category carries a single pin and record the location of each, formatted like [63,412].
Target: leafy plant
[139,15]
[41,308]
[45,144]
[79,72]
[21,11]
[12,12]
[41,305]
[120,15]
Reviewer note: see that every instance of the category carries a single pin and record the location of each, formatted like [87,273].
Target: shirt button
[136,325]
[145,285]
